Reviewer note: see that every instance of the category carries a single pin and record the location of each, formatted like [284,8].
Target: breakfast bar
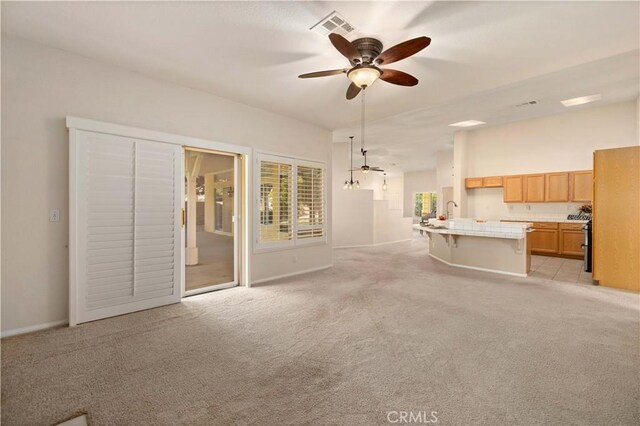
[500,247]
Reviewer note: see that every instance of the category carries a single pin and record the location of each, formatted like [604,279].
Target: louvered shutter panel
[128,230]
[275,203]
[310,201]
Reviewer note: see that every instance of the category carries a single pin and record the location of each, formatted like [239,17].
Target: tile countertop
[541,219]
[472,228]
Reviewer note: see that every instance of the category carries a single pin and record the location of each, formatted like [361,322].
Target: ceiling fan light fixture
[364,75]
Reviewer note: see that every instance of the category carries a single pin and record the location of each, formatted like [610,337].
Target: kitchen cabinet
[571,239]
[616,222]
[492,182]
[534,188]
[556,187]
[544,238]
[473,183]
[513,189]
[581,186]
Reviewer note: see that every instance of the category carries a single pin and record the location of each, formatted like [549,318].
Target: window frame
[260,246]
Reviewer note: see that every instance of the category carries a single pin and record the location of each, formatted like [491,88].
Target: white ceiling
[484,58]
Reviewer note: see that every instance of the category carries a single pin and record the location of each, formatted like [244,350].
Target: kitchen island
[488,246]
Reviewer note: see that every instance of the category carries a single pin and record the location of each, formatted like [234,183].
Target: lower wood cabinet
[571,239]
[557,239]
[544,238]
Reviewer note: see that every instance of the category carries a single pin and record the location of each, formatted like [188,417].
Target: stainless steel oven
[587,246]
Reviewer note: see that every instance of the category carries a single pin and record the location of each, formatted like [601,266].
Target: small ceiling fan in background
[365,168]
[365,58]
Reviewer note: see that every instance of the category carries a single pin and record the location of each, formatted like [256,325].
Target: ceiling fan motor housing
[369,49]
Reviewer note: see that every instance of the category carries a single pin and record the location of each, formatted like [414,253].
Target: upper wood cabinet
[581,185]
[557,187]
[534,188]
[492,182]
[513,189]
[473,183]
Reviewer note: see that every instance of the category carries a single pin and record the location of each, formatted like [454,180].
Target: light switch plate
[54,215]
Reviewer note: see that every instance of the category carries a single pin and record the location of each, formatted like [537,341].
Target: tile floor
[559,269]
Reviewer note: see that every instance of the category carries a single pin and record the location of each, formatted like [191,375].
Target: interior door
[125,225]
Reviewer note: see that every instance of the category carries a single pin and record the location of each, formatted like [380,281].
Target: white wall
[425,181]
[368,215]
[557,143]
[444,175]
[40,87]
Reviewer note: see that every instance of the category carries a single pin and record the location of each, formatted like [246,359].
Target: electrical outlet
[54,215]
[528,207]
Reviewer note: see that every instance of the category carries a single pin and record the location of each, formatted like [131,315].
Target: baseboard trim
[475,268]
[374,245]
[32,328]
[292,274]
[393,242]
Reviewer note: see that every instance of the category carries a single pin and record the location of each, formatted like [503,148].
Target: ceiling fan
[365,58]
[365,168]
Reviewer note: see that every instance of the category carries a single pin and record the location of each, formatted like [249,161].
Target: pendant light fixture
[349,184]
[384,184]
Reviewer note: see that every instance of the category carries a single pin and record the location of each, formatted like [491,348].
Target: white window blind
[291,201]
[127,205]
[310,201]
[275,203]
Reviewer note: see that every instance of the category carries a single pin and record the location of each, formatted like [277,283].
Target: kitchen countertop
[484,229]
[541,219]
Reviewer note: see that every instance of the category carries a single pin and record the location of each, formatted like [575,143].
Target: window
[310,190]
[285,186]
[425,205]
[275,202]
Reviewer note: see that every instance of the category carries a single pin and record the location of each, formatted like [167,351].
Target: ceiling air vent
[333,23]
[528,103]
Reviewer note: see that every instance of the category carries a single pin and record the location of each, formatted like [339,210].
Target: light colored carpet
[387,329]
[215,261]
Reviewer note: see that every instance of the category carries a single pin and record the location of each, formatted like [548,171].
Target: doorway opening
[211,225]
[425,205]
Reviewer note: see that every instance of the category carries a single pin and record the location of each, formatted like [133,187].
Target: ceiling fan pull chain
[362,124]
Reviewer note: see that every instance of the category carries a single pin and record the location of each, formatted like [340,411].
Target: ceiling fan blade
[322,73]
[403,50]
[353,91]
[345,47]
[376,169]
[398,77]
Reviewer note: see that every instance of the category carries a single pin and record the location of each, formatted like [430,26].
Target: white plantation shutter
[275,202]
[127,211]
[290,201]
[310,200]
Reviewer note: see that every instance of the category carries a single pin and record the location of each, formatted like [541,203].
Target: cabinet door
[557,187]
[513,189]
[473,183]
[544,240]
[581,185]
[534,188]
[571,241]
[492,182]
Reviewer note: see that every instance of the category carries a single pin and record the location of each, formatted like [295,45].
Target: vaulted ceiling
[485,57]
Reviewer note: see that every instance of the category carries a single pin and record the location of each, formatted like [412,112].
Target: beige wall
[425,181]
[40,87]
[557,143]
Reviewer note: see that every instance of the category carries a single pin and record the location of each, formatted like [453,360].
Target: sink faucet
[447,213]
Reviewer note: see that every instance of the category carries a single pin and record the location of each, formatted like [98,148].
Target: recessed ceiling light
[467,123]
[581,100]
